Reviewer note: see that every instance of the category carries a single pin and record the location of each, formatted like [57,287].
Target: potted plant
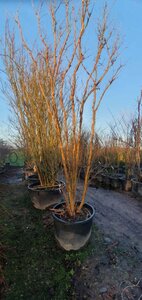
[82,80]
[136,132]
[73,218]
[122,131]
[34,121]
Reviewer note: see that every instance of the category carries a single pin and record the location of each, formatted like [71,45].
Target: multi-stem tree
[84,80]
[34,120]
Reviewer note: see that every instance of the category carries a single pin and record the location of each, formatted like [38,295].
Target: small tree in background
[136,137]
[127,134]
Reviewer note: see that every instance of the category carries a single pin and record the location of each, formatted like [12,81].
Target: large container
[137,187]
[33,179]
[28,172]
[43,198]
[73,235]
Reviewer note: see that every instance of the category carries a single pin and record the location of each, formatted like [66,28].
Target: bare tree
[64,56]
[127,134]
[136,136]
[34,121]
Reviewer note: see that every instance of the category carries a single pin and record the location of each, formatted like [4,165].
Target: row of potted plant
[117,182]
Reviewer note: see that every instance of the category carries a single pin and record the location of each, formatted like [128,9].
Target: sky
[126,15]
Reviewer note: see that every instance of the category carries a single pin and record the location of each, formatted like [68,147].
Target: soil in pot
[73,233]
[43,198]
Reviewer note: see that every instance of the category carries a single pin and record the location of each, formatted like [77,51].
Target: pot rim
[51,188]
[76,222]
[136,181]
[33,175]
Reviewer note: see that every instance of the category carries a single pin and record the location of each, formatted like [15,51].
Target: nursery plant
[69,59]
[34,121]
[127,135]
[136,138]
[67,74]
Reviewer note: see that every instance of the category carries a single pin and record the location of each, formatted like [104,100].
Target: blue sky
[121,98]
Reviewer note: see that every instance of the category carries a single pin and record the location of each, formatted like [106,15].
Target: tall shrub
[83,81]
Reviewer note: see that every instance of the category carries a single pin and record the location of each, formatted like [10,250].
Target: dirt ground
[114,272]
[12,176]
[118,215]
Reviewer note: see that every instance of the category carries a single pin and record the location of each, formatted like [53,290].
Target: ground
[118,214]
[34,267]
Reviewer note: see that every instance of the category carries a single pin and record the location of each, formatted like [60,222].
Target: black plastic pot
[33,178]
[106,181]
[100,178]
[82,173]
[94,182]
[115,183]
[2,170]
[137,187]
[7,165]
[28,172]
[73,235]
[43,198]
[126,184]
